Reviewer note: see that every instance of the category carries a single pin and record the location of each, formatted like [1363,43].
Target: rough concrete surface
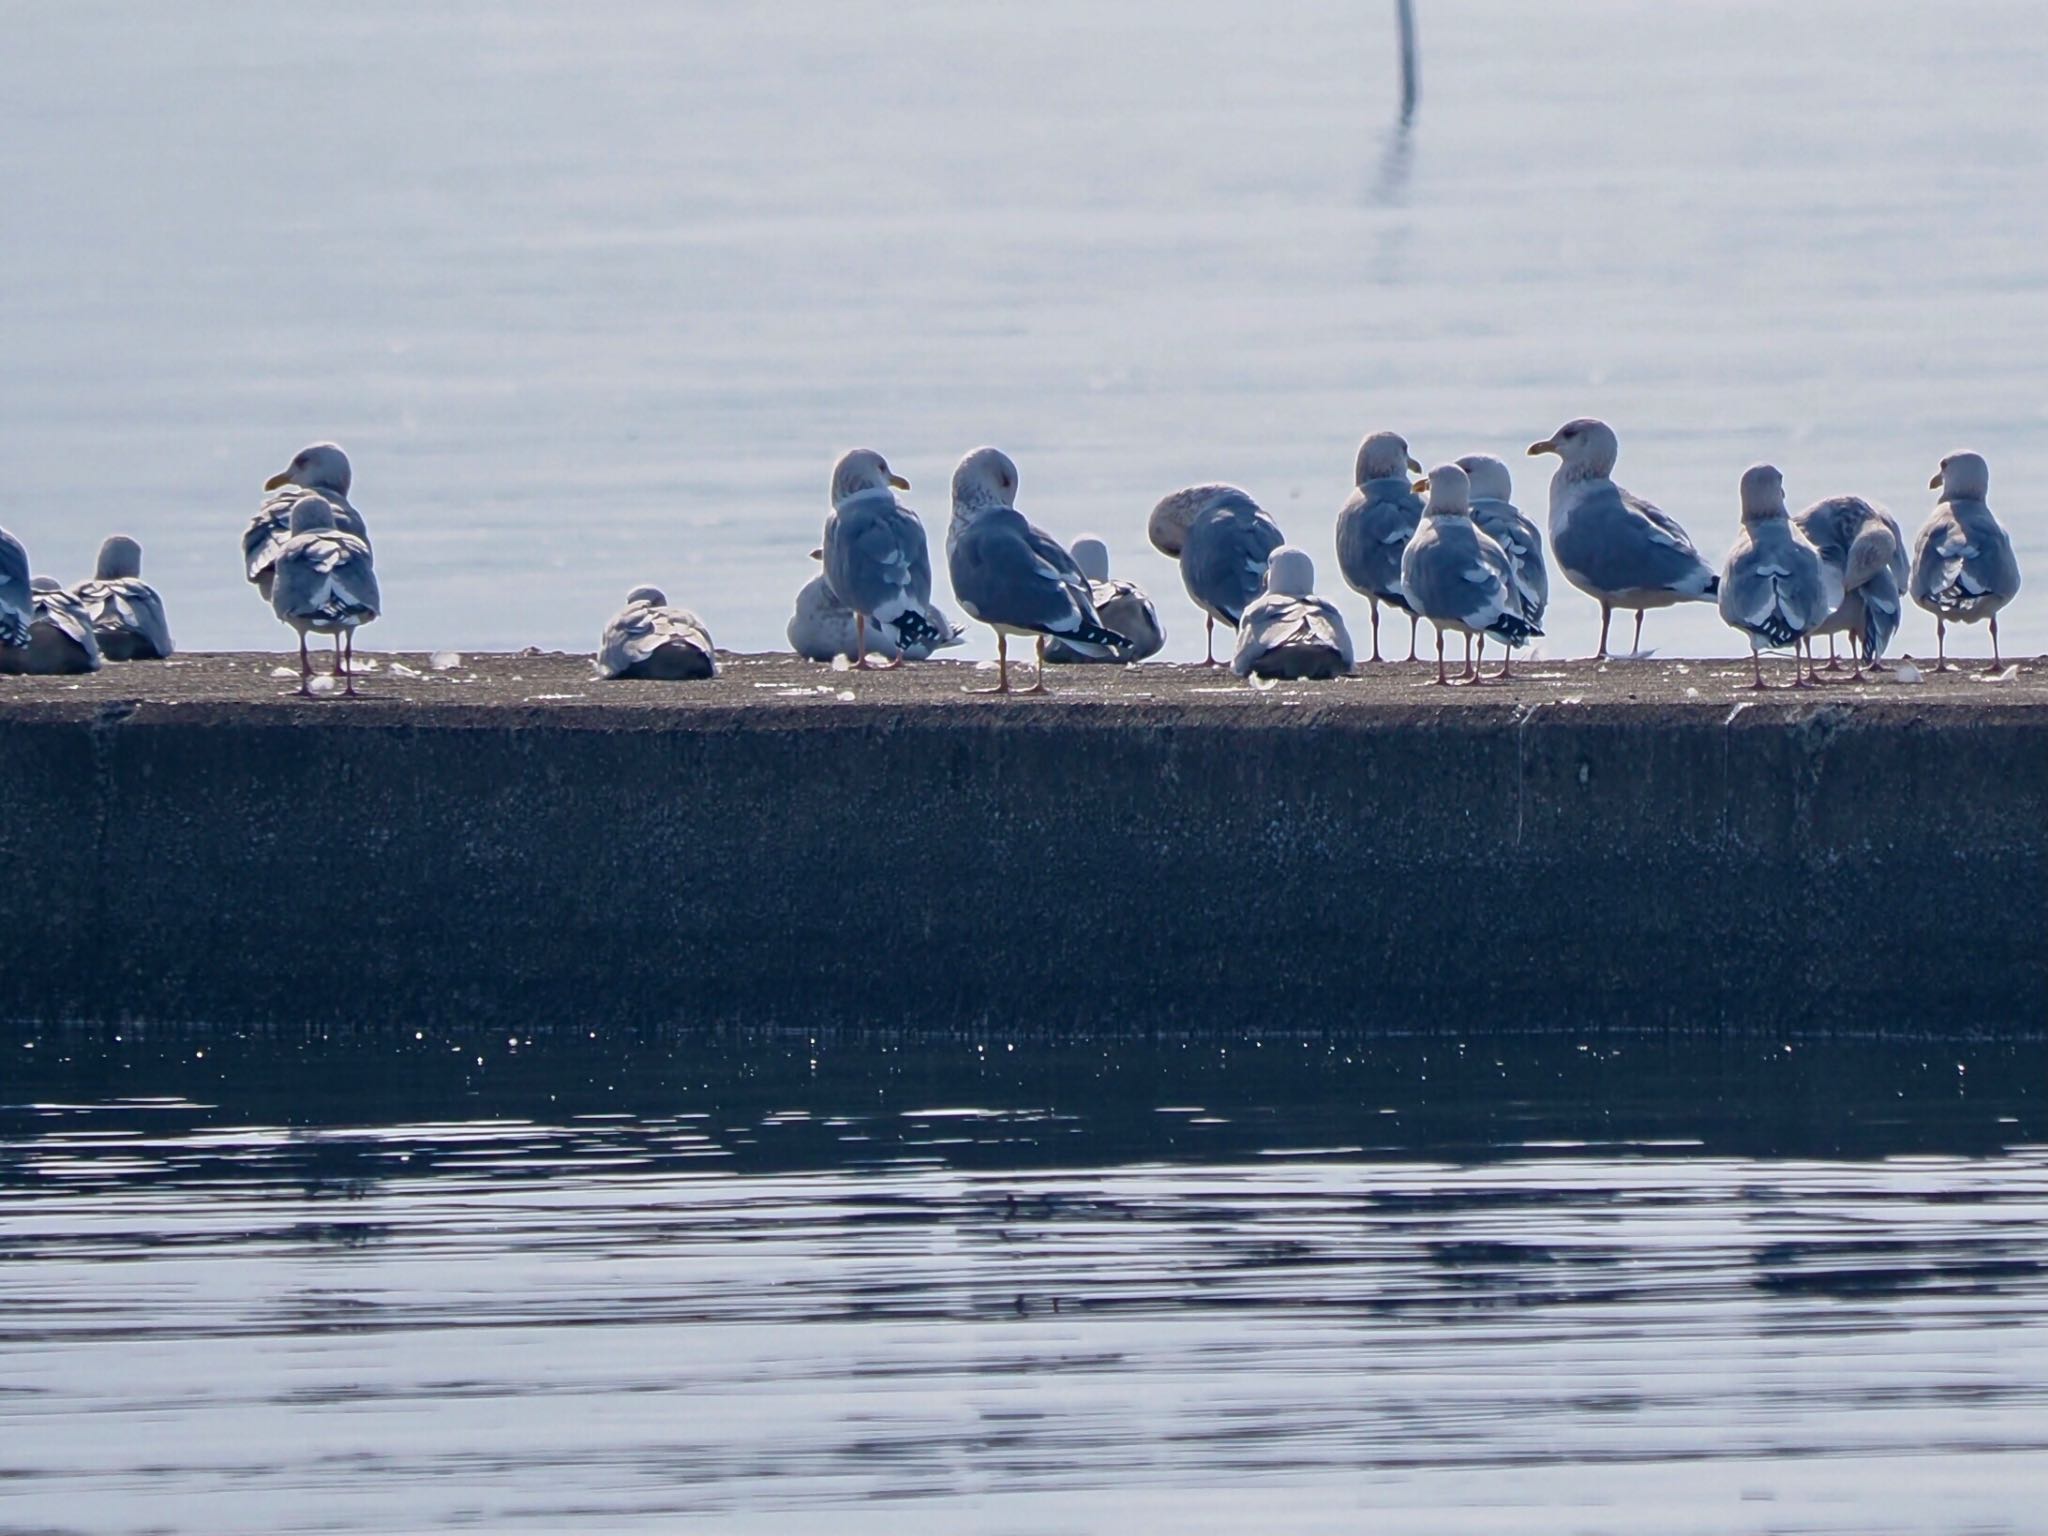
[510,840]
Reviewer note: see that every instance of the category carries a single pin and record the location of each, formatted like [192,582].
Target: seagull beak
[818,554]
[1935,483]
[1414,468]
[282,477]
[1422,486]
[899,482]
[1548,445]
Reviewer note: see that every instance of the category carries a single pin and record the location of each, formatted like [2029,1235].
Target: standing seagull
[875,556]
[1615,547]
[127,612]
[323,468]
[1223,540]
[1120,605]
[1494,510]
[1963,565]
[1289,632]
[1375,525]
[60,638]
[324,583]
[1013,577]
[1459,578]
[1863,545]
[1775,587]
[17,601]
[648,639]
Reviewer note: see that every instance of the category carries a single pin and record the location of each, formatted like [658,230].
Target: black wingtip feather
[1775,632]
[1713,586]
[913,628]
[1095,634]
[1513,630]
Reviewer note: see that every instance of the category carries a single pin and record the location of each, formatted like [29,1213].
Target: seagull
[324,583]
[60,638]
[1963,565]
[1121,605]
[1013,577]
[823,627]
[1457,577]
[649,640]
[1494,510]
[1611,545]
[17,599]
[1775,587]
[1222,539]
[1375,525]
[1288,632]
[323,468]
[126,611]
[1865,548]
[875,556]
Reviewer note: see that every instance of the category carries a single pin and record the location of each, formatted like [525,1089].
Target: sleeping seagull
[1457,577]
[1494,510]
[127,613]
[1613,546]
[323,468]
[1288,632]
[823,627]
[1121,605]
[1775,587]
[324,583]
[1963,565]
[875,556]
[1222,539]
[60,638]
[649,640]
[1865,548]
[17,600]
[1013,577]
[1375,525]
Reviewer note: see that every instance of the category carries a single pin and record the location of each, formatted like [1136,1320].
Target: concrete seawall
[511,843]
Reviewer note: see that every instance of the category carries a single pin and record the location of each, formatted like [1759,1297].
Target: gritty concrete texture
[509,840]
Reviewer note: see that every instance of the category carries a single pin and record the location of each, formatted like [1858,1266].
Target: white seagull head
[1384,456]
[860,470]
[321,467]
[1962,474]
[985,478]
[1587,445]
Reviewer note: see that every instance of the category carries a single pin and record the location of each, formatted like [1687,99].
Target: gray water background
[627,1280]
[595,293]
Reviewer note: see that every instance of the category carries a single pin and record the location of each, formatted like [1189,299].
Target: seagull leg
[1443,681]
[1834,665]
[305,669]
[1941,646]
[1606,613]
[350,672]
[1756,665]
[1471,673]
[1636,646]
[1997,665]
[1375,627]
[1414,626]
[1038,678]
[1209,659]
[1002,666]
[860,641]
[1803,673]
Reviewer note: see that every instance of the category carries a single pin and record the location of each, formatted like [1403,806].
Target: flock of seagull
[1465,559]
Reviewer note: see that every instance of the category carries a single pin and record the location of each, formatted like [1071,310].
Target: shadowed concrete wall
[1049,866]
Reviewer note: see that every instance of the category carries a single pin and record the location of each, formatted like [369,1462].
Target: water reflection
[285,1281]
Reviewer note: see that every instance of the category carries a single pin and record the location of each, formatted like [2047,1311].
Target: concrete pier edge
[911,859]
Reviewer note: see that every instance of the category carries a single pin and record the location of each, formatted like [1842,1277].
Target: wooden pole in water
[1404,11]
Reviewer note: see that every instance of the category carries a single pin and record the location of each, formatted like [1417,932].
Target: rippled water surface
[594,292]
[298,1283]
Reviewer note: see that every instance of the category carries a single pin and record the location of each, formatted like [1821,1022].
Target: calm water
[290,1283]
[595,292]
